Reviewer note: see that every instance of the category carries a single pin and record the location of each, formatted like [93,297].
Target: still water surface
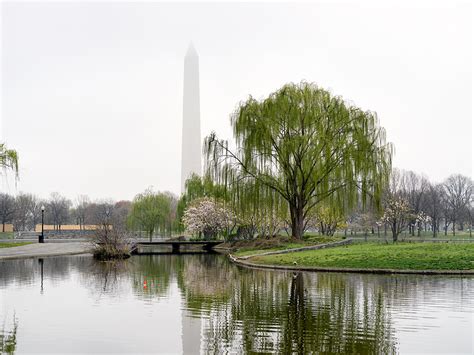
[203,303]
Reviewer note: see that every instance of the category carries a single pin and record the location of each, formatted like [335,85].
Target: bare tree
[110,238]
[24,204]
[80,210]
[35,212]
[7,209]
[458,191]
[103,213]
[470,212]
[433,206]
[121,211]
[58,210]
[414,190]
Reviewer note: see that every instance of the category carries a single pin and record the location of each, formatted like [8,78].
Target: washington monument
[191,137]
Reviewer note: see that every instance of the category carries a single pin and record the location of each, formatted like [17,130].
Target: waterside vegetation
[400,256]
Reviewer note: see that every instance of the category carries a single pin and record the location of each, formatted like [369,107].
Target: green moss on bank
[403,256]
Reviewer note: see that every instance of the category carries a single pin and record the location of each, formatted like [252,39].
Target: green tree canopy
[150,211]
[8,158]
[305,145]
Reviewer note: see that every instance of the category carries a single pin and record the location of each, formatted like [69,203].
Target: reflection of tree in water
[204,281]
[104,277]
[244,310]
[335,316]
[8,338]
[261,311]
[152,275]
[148,276]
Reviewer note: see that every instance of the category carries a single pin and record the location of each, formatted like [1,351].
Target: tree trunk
[297,224]
[150,234]
[395,236]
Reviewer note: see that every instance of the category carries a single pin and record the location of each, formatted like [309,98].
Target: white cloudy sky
[92,92]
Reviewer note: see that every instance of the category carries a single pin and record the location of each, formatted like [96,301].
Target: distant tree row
[24,211]
[415,204]
[150,212]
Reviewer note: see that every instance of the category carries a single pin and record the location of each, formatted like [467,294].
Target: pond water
[203,303]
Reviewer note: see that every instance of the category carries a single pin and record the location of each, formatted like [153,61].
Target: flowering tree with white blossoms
[207,217]
[397,215]
[422,219]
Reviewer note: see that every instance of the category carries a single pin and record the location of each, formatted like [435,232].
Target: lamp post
[41,237]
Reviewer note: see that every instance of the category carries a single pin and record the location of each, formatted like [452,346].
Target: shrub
[111,243]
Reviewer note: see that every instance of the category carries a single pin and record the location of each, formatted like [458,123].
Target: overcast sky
[92,92]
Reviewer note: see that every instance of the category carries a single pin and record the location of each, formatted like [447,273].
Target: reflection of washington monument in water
[191,135]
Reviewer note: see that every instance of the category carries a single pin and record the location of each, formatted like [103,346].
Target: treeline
[148,212]
[410,203]
[414,204]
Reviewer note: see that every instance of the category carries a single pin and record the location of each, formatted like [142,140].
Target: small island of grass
[111,243]
[400,256]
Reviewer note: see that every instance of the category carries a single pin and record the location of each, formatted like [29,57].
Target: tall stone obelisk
[191,137]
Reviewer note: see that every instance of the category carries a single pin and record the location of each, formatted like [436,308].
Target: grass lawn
[257,248]
[10,245]
[408,256]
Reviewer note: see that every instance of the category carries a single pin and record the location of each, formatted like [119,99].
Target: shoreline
[245,263]
[84,248]
[45,250]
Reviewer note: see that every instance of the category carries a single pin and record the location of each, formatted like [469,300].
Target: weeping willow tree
[8,158]
[258,209]
[151,212]
[306,146]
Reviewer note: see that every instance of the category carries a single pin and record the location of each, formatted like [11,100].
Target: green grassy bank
[403,256]
[11,245]
[259,246]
